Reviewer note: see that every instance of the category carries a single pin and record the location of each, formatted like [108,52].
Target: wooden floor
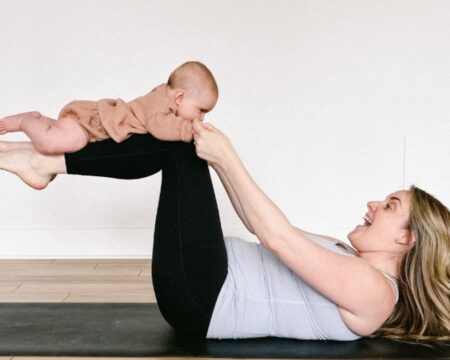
[76,281]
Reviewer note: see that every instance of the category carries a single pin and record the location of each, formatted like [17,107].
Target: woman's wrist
[228,159]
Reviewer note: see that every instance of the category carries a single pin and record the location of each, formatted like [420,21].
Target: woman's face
[385,224]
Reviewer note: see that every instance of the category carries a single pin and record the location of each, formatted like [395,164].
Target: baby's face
[192,107]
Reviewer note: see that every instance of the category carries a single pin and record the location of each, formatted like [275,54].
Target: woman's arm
[233,198]
[350,282]
[262,215]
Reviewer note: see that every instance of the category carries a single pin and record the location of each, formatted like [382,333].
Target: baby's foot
[14,145]
[12,123]
[22,162]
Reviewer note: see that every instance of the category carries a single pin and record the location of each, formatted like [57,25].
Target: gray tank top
[262,297]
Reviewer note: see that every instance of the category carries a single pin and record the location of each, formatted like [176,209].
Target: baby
[166,112]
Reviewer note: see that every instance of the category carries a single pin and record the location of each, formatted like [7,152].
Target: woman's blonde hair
[423,310]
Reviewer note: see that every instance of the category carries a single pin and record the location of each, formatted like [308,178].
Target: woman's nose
[372,205]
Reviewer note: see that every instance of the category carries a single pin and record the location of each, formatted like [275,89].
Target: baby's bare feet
[24,163]
[12,123]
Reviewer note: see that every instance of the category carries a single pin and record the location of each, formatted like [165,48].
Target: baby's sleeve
[167,126]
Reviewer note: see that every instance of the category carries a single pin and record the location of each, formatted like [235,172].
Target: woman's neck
[386,262]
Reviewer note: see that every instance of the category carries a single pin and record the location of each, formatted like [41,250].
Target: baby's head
[194,90]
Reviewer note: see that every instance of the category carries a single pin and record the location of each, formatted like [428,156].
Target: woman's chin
[351,236]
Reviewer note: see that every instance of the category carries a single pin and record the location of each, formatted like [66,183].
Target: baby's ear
[179,95]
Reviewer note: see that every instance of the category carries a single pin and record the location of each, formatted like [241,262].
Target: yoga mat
[127,329]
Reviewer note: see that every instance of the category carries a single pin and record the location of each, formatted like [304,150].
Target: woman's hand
[211,144]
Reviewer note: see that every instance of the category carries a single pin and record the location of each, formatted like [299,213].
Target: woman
[296,284]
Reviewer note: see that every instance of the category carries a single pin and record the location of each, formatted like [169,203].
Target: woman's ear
[407,239]
[412,238]
[179,96]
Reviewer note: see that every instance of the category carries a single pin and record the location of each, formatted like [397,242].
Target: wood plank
[147,297]
[33,297]
[124,287]
[106,266]
[140,262]
[42,265]
[7,287]
[70,271]
[146,272]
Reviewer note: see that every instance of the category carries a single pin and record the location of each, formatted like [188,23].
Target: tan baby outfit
[108,118]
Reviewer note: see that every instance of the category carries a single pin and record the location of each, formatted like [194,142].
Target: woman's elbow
[249,228]
[270,241]
[274,241]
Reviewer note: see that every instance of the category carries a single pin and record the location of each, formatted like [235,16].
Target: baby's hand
[186,131]
[211,144]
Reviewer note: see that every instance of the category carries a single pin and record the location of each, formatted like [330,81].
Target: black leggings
[189,256]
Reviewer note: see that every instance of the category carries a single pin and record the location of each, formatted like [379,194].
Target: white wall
[330,103]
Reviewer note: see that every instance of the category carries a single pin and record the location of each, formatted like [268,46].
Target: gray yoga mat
[125,329]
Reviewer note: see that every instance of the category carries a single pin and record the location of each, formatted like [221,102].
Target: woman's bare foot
[14,145]
[12,123]
[25,164]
